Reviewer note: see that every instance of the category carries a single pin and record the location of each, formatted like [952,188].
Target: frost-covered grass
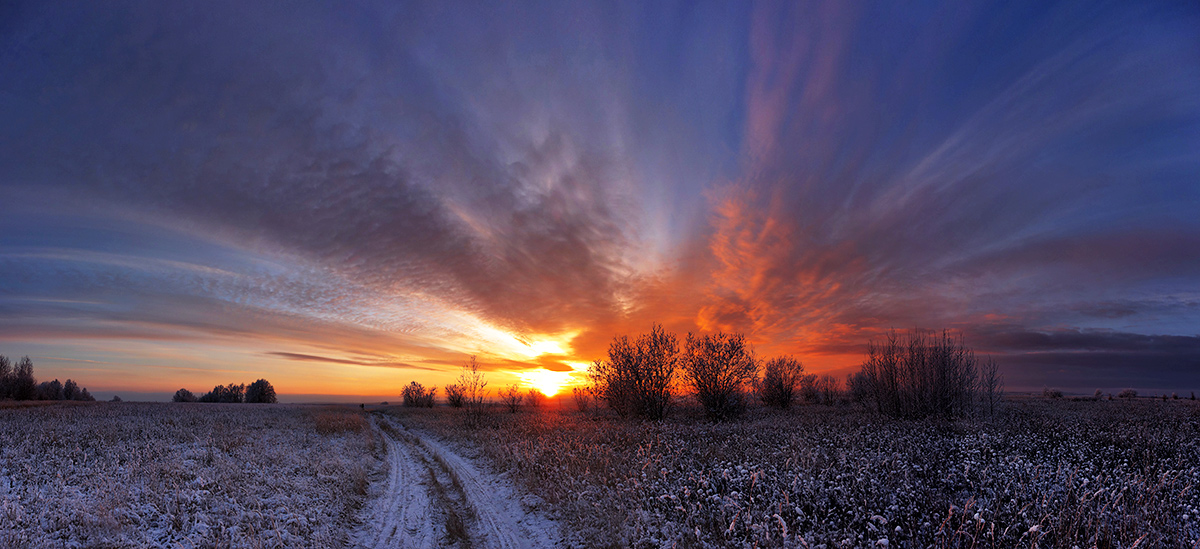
[1040,474]
[181,475]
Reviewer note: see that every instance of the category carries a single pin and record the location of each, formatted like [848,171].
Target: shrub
[535,398]
[415,395]
[808,389]
[1127,394]
[116,398]
[511,398]
[780,381]
[921,376]
[719,368]
[1098,395]
[261,392]
[454,396]
[636,378]
[1047,392]
[183,395]
[583,398]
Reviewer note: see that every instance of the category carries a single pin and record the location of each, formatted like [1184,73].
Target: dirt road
[433,497]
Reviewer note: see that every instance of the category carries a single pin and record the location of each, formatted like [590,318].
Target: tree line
[259,392]
[18,383]
[913,376]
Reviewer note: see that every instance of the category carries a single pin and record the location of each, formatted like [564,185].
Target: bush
[636,379]
[719,368]
[535,398]
[511,398]
[415,395]
[261,392]
[1127,394]
[1098,395]
[780,381]
[183,395]
[1051,393]
[921,376]
[454,396]
[583,398]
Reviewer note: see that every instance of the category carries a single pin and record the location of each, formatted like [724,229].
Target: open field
[1040,474]
[181,475]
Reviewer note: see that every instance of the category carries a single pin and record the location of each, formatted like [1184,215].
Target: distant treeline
[260,392]
[17,383]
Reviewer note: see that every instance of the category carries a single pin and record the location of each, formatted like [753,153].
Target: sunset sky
[343,197]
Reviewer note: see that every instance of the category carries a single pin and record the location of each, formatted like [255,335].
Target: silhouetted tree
[1127,394]
[261,392]
[583,398]
[50,390]
[225,393]
[719,368]
[115,398]
[415,395]
[474,390]
[780,381]
[183,395]
[6,378]
[23,385]
[636,379]
[511,398]
[921,376]
[1051,393]
[454,396]
[534,398]
[991,385]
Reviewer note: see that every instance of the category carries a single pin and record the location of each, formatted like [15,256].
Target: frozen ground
[435,497]
[216,475]
[180,475]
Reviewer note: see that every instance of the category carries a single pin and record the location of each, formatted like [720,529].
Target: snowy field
[182,475]
[1041,474]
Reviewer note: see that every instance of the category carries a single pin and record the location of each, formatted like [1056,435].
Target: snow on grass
[181,475]
[1042,474]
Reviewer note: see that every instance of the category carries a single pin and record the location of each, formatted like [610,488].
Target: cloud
[372,363]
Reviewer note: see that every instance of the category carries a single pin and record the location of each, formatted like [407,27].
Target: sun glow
[546,381]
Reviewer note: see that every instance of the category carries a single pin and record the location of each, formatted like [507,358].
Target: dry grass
[186,475]
[333,420]
[1041,474]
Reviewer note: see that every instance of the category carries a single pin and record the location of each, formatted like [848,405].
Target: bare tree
[636,378]
[921,376]
[6,378]
[991,385]
[719,368]
[474,390]
[780,381]
[511,398]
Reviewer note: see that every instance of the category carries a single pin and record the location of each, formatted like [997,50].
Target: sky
[344,197]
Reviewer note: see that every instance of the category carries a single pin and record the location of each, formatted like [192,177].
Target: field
[181,475]
[1040,474]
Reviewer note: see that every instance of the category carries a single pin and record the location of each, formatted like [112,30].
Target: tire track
[478,509]
[401,516]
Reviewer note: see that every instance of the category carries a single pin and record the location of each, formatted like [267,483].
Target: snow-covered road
[433,496]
